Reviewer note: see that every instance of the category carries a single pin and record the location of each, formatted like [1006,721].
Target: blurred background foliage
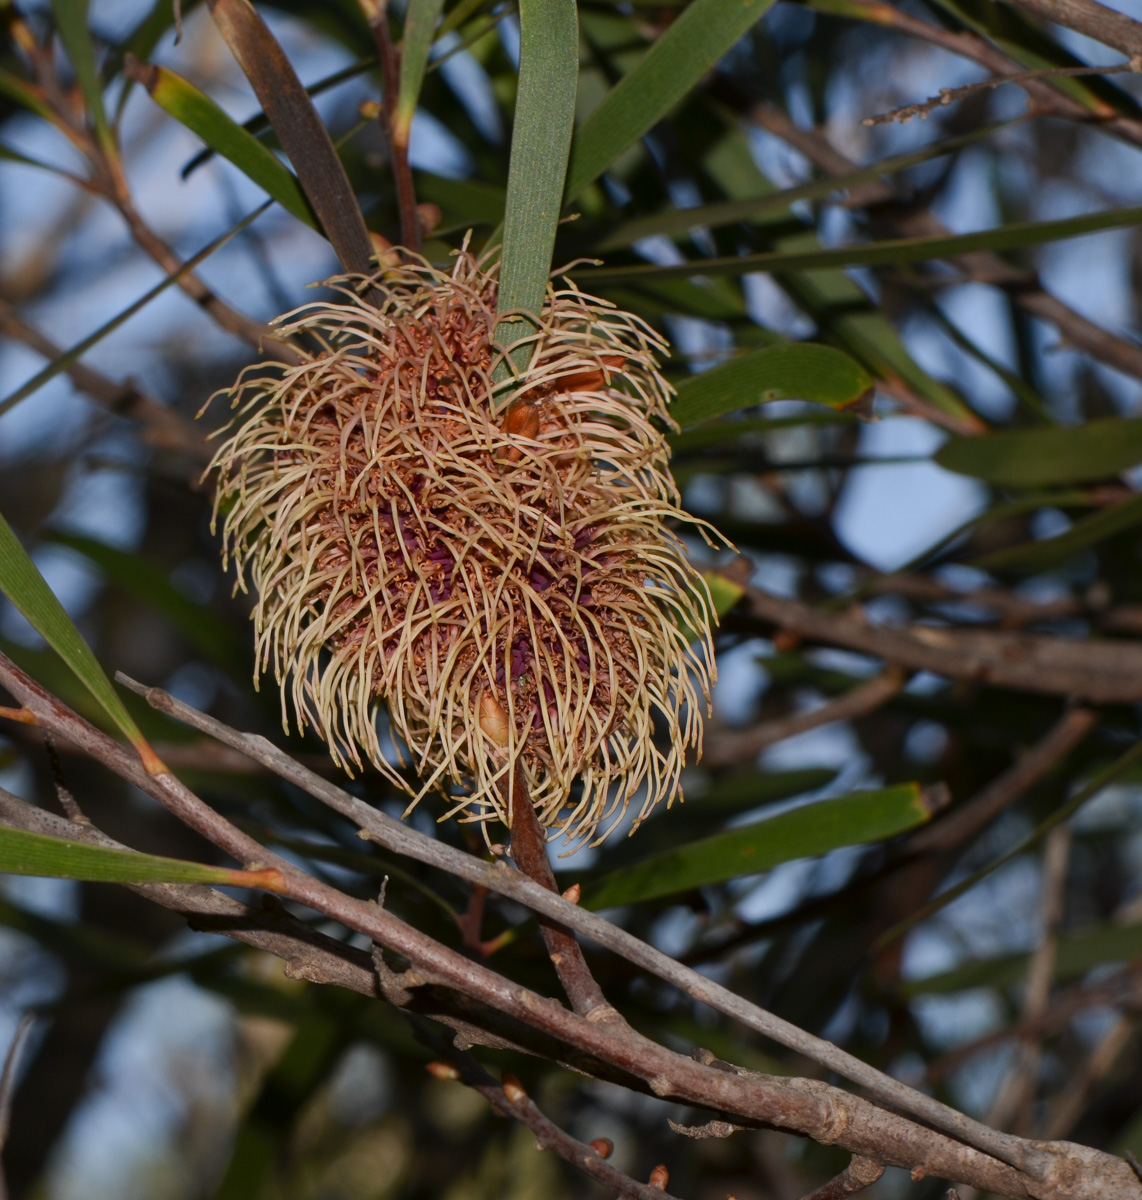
[174,1064]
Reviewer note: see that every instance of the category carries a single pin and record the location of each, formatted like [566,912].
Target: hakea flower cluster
[489,561]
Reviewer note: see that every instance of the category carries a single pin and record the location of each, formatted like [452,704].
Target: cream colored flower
[500,576]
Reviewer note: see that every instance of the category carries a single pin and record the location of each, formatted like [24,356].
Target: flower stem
[529,850]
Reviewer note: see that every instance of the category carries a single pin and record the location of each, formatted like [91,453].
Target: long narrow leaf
[299,128]
[887,253]
[419,31]
[24,853]
[803,832]
[71,24]
[1050,552]
[541,138]
[1046,457]
[65,360]
[674,222]
[704,31]
[799,371]
[195,110]
[26,588]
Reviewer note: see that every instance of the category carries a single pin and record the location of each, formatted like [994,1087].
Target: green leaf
[703,32]
[29,592]
[419,32]
[71,24]
[259,123]
[24,94]
[10,155]
[1077,953]
[24,853]
[857,819]
[1050,552]
[300,130]
[674,222]
[798,371]
[714,433]
[1042,457]
[541,138]
[195,110]
[68,357]
[886,253]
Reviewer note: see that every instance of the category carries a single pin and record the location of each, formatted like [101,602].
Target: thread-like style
[492,563]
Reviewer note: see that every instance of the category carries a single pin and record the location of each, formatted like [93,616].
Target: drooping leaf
[798,371]
[24,853]
[1044,457]
[28,591]
[195,110]
[885,253]
[1084,533]
[419,30]
[541,137]
[299,128]
[858,819]
[702,34]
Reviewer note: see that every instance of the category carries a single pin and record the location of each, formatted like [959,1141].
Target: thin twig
[162,426]
[967,44]
[529,850]
[1100,672]
[962,823]
[509,1099]
[1076,1095]
[859,1174]
[810,1107]
[981,266]
[499,877]
[726,747]
[8,1085]
[398,146]
[945,96]
[1013,1104]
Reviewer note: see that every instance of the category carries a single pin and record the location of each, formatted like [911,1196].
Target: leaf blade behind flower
[796,371]
[814,829]
[541,142]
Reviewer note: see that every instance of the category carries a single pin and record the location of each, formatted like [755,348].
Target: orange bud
[659,1177]
[513,1089]
[603,1147]
[590,379]
[521,420]
[573,893]
[369,110]
[493,719]
[442,1070]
